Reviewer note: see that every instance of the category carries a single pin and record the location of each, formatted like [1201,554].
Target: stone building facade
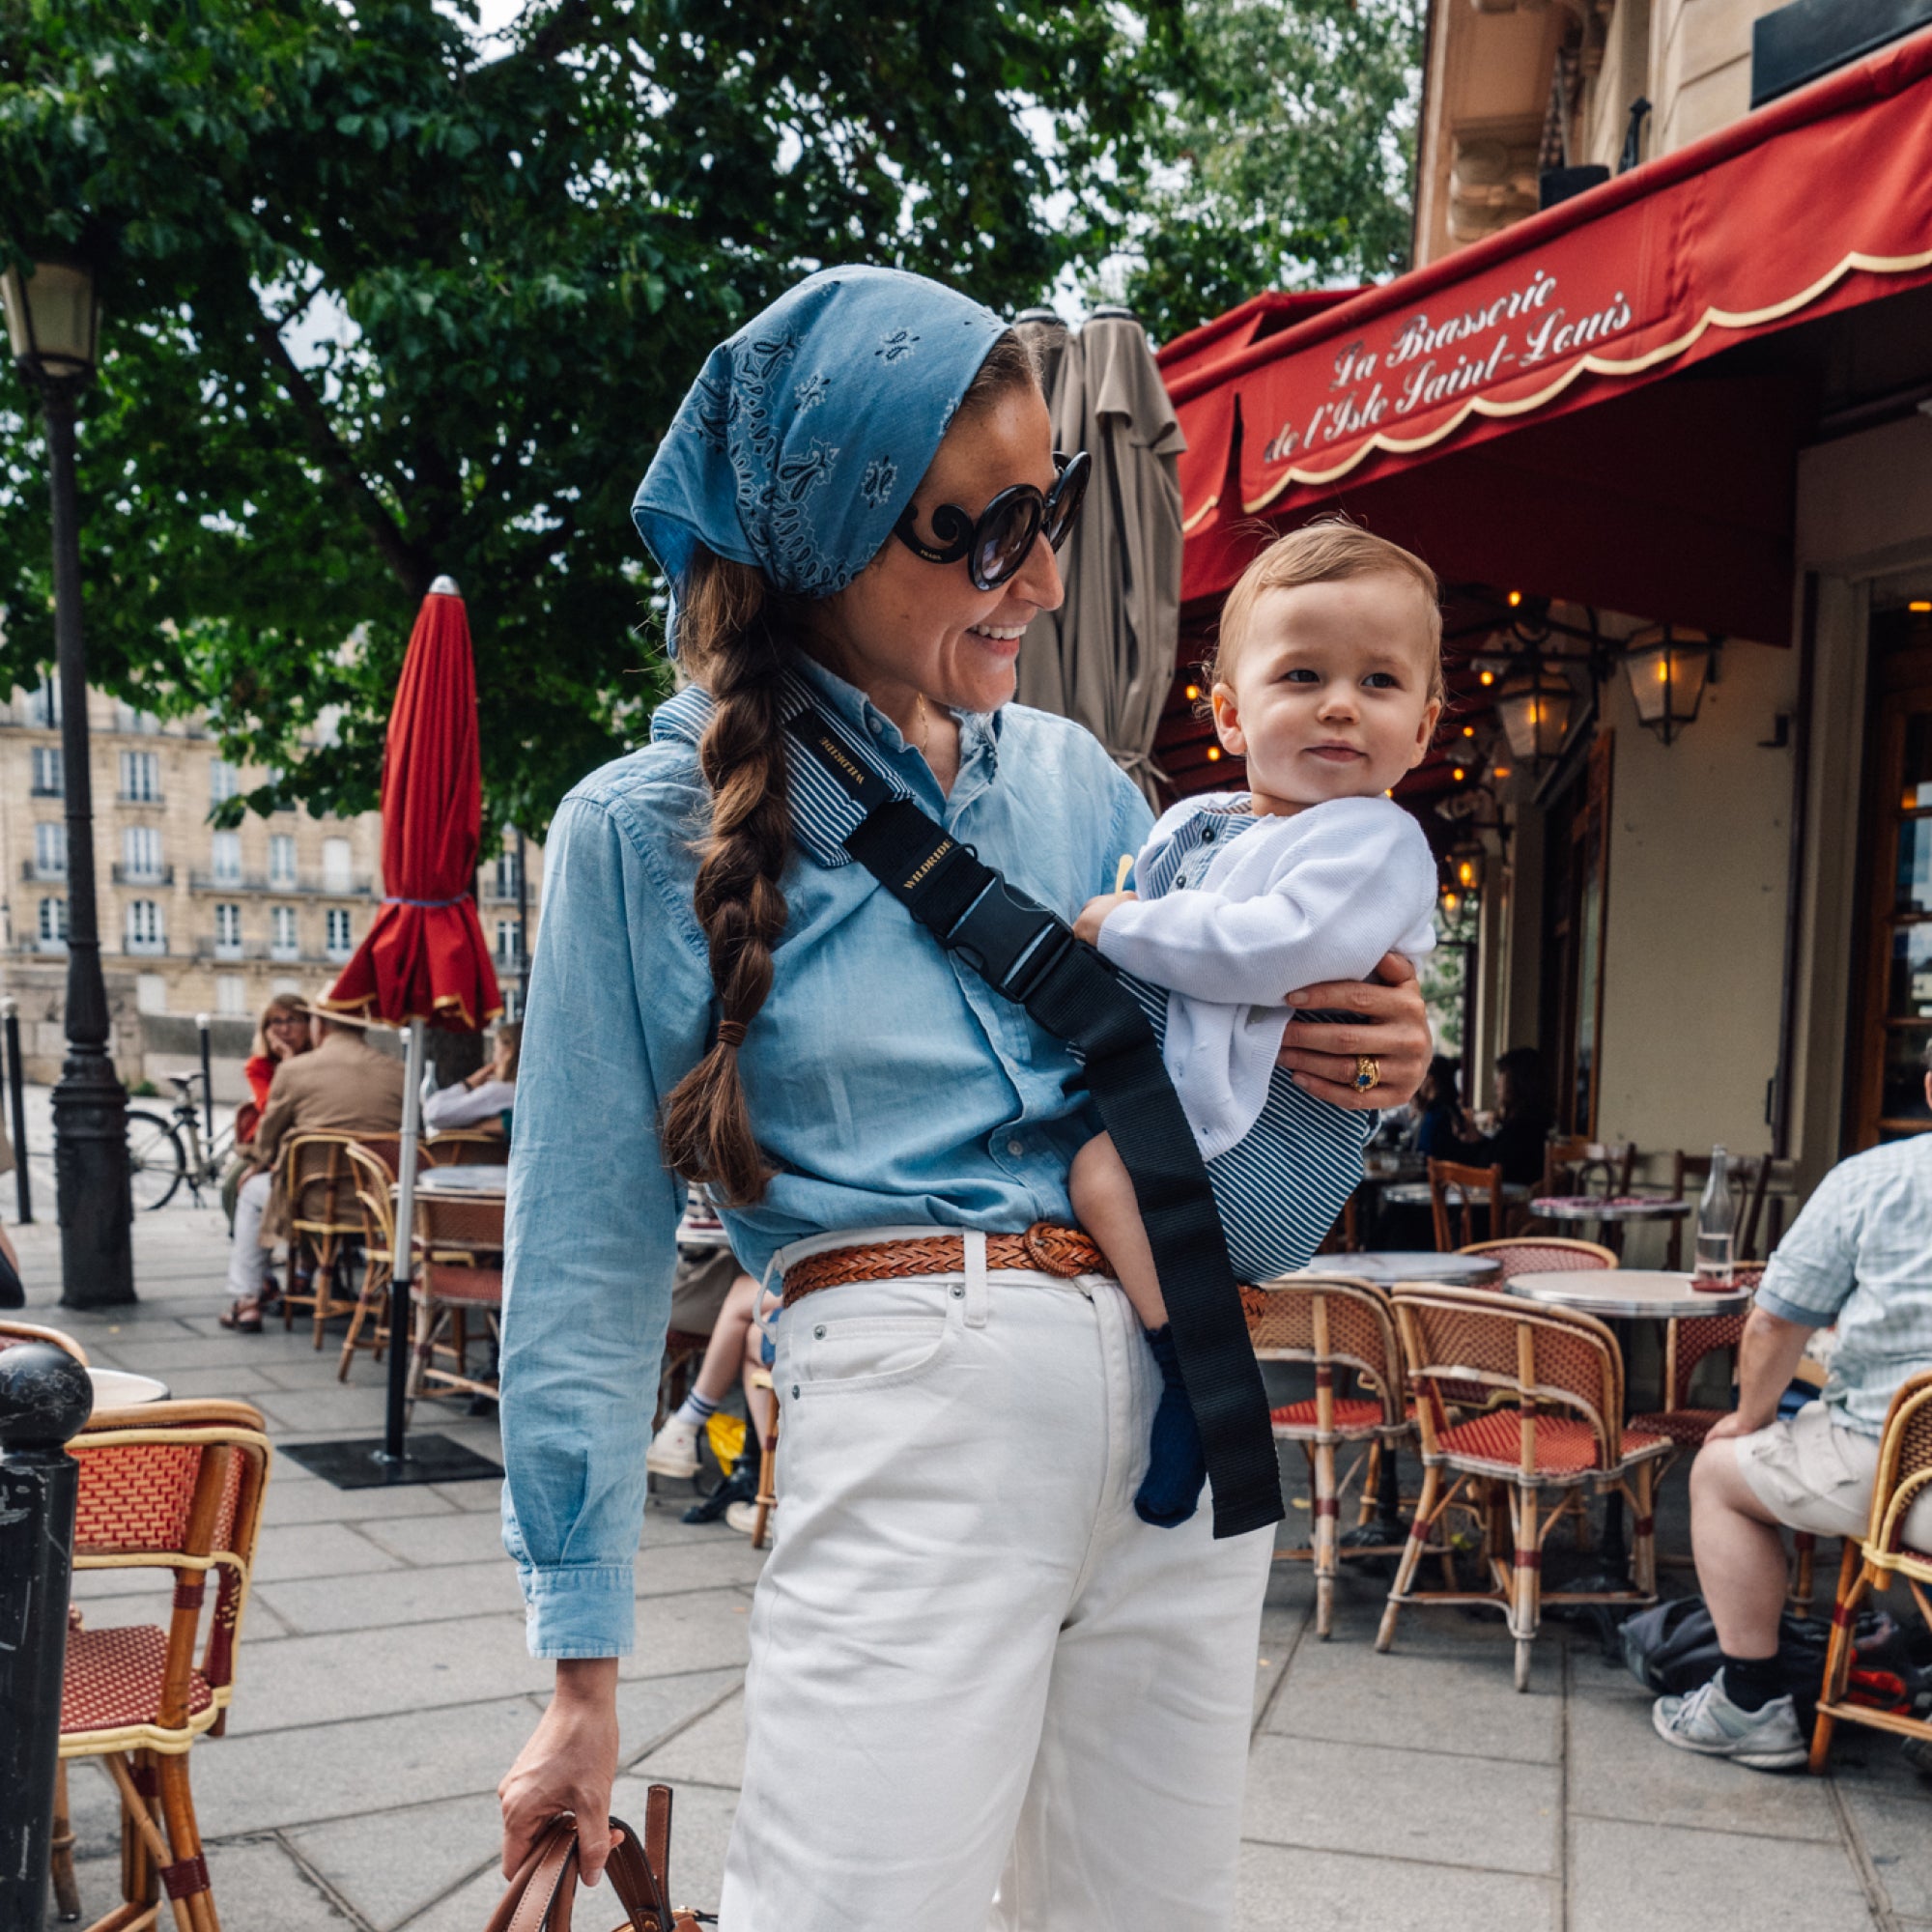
[192,919]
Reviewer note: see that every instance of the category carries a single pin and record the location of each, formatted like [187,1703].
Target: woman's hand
[569,1765]
[1395,1033]
[1094,915]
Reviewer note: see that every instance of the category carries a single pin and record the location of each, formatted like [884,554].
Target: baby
[1327,679]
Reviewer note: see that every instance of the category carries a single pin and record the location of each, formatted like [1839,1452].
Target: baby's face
[1328,693]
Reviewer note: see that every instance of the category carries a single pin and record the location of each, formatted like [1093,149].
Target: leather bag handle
[541,1894]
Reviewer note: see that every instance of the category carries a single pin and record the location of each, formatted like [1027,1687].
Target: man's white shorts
[1812,1475]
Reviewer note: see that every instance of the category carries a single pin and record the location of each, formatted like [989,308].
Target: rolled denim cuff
[584,1609]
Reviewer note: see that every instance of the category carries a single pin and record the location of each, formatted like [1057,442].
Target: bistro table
[1621,1296]
[1415,1194]
[1610,1212]
[117,1389]
[1386,1266]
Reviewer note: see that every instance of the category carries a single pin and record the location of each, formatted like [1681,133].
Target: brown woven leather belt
[1050,1250]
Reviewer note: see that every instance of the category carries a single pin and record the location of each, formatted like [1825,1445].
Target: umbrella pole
[402,1260]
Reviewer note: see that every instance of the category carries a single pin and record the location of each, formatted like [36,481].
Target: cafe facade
[1667,443]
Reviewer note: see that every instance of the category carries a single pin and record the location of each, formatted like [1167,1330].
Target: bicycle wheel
[155,1164]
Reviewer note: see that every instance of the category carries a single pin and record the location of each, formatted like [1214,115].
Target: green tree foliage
[1288,147]
[382,304]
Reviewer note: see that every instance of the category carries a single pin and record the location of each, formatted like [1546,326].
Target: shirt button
[875,726]
[1208,834]
[1017,1146]
[818,1333]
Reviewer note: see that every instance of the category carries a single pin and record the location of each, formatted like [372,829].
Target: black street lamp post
[52,321]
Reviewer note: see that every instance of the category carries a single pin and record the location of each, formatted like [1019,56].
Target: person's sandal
[245,1318]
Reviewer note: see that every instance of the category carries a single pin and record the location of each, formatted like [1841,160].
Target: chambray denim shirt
[1859,1256]
[887,1082]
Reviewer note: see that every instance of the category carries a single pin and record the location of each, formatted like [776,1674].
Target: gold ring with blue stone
[1367,1071]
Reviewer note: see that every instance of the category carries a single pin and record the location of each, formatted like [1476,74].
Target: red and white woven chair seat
[1685,1426]
[113,1682]
[1355,1415]
[1565,1445]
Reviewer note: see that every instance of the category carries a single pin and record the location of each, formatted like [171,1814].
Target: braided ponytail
[730,626]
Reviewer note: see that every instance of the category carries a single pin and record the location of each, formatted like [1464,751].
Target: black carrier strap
[1029,955]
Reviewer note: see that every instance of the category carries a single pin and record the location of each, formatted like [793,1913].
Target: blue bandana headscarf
[805,434]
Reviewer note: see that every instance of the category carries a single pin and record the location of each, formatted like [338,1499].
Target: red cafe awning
[1815,204]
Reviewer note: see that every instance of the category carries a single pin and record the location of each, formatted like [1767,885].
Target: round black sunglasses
[997,542]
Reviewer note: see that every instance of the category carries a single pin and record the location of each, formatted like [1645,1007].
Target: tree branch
[410,570]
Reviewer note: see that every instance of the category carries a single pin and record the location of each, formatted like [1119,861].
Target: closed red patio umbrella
[423,962]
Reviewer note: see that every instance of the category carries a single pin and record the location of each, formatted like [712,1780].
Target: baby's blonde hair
[1323,552]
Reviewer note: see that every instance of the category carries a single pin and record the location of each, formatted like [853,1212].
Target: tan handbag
[540,1895]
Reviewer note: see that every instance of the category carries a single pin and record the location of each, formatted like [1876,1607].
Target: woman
[1441,1105]
[486,1098]
[1524,1118]
[968,1657]
[282,1033]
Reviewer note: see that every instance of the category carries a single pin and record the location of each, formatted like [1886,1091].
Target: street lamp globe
[53,321]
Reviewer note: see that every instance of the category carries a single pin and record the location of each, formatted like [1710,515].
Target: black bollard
[16,1088]
[44,1399]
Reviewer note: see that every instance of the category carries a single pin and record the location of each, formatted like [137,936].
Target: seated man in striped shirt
[1328,681]
[1858,1257]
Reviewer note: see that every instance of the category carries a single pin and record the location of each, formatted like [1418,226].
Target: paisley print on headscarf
[805,434]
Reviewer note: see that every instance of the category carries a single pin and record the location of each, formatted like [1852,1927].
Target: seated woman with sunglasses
[973,1669]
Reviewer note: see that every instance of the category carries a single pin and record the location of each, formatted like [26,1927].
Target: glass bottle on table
[1716,1220]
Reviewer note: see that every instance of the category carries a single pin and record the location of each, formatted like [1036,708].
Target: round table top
[706,1234]
[1609,1207]
[1383,1265]
[117,1389]
[1651,1295]
[1415,1193]
[491,1178]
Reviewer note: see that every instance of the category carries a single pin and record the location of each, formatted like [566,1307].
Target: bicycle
[158,1162]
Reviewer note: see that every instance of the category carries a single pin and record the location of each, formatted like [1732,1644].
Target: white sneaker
[1705,1721]
[744,1519]
[673,1450]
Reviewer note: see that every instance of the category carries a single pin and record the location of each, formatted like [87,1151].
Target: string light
[1459,774]
[1213,753]
[1487,677]
[1192,692]
[1919,604]
[1468,731]
[1515,598]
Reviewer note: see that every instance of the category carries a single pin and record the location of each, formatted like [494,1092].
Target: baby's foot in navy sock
[1176,1468]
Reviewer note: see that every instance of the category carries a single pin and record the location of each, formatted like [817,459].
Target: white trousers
[975,1671]
[247,1257]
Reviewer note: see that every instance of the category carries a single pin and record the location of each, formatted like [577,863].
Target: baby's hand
[1094,915]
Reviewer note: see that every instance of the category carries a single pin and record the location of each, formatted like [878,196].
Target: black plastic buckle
[1009,939]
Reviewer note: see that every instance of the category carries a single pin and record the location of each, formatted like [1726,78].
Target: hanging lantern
[1668,668]
[1466,861]
[1535,707]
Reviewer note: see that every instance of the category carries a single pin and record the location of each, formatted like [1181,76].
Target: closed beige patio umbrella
[1106,657]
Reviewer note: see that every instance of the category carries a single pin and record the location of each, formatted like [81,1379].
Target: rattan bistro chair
[1687,1341]
[1870,1562]
[459,1272]
[14,1333]
[1331,1321]
[464,1147]
[1542,1254]
[318,1185]
[1557,1428]
[1475,1188]
[372,1169]
[174,1486]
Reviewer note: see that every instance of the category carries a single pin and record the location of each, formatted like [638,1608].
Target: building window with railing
[141,778]
[282,943]
[282,860]
[230,996]
[50,849]
[47,780]
[337,873]
[141,852]
[43,707]
[145,930]
[224,781]
[52,937]
[228,932]
[341,942]
[508,952]
[509,875]
[226,857]
[132,718]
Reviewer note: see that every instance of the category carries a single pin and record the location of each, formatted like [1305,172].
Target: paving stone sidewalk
[384,1688]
